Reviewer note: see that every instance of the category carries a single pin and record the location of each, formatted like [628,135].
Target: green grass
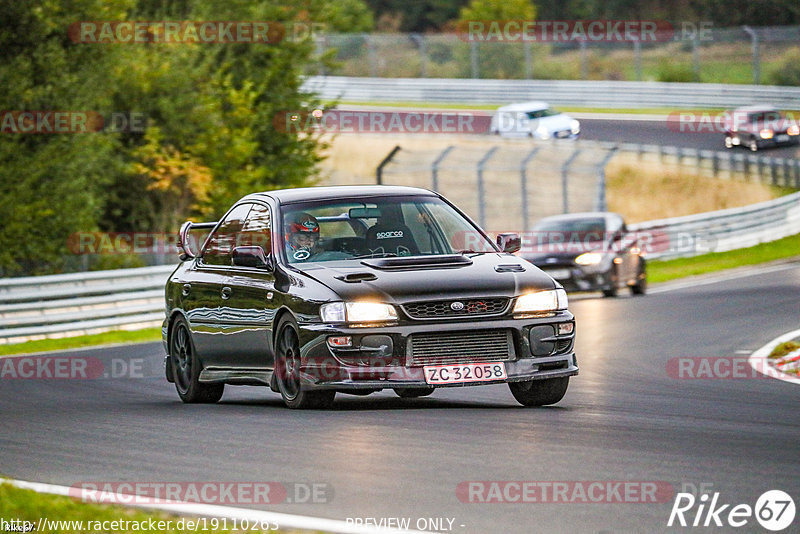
[27,505]
[106,338]
[662,271]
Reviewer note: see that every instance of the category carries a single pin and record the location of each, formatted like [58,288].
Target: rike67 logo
[774,510]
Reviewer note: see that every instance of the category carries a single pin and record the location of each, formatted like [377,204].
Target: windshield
[541,113]
[376,227]
[583,230]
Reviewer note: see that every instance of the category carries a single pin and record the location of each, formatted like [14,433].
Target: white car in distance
[534,119]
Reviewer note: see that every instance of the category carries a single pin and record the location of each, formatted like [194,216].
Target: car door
[204,293]
[247,307]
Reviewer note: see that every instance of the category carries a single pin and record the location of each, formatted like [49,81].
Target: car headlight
[766,133]
[542,132]
[589,258]
[357,312]
[793,130]
[542,301]
[575,127]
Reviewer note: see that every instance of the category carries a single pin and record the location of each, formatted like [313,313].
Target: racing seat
[391,237]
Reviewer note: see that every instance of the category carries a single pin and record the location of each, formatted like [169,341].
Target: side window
[257,229]
[220,245]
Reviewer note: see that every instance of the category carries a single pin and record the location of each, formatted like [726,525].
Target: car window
[220,245]
[257,230]
[540,113]
[590,229]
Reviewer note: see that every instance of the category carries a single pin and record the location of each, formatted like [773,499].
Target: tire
[412,393]
[753,145]
[640,287]
[288,363]
[539,392]
[186,368]
[613,279]
[728,142]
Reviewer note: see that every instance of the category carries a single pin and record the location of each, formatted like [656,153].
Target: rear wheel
[411,393]
[753,145]
[640,287]
[288,364]
[186,368]
[539,392]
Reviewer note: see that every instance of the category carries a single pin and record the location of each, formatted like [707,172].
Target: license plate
[781,138]
[465,372]
[558,274]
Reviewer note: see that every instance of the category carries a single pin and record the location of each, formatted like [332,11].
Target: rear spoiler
[184,238]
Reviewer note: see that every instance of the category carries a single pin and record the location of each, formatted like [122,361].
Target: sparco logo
[389,235]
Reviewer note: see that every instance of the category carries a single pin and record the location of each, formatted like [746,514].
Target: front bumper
[384,356]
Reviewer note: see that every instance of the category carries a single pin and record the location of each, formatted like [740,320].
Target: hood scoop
[418,262]
[354,278]
[509,268]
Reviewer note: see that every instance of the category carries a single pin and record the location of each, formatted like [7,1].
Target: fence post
[565,180]
[372,58]
[320,45]
[383,163]
[435,167]
[528,59]
[600,202]
[481,197]
[584,60]
[637,59]
[696,57]
[421,42]
[797,174]
[473,58]
[756,55]
[523,176]
[715,163]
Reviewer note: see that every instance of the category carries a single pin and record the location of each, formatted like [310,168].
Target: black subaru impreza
[322,290]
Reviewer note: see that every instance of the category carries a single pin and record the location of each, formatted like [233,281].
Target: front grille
[436,309]
[460,347]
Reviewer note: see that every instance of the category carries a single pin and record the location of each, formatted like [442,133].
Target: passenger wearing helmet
[302,236]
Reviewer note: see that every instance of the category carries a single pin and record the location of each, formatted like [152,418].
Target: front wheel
[539,392]
[640,287]
[288,366]
[186,368]
[728,141]
[753,145]
[613,282]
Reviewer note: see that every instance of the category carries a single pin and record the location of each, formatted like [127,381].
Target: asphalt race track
[660,133]
[623,419]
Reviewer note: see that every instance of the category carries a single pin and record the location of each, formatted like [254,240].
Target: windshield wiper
[475,252]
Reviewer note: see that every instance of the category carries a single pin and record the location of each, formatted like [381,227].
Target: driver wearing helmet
[302,236]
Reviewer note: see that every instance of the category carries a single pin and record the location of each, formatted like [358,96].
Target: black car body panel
[452,307]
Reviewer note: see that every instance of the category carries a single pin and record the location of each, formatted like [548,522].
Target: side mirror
[250,257]
[510,243]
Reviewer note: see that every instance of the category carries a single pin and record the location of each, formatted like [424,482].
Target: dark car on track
[590,251]
[357,289]
[757,127]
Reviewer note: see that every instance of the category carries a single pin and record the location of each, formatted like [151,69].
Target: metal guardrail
[601,94]
[723,230]
[38,307]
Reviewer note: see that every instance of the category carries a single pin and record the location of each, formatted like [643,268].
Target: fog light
[340,341]
[565,328]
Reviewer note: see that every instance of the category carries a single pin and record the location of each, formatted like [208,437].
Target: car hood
[486,275]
